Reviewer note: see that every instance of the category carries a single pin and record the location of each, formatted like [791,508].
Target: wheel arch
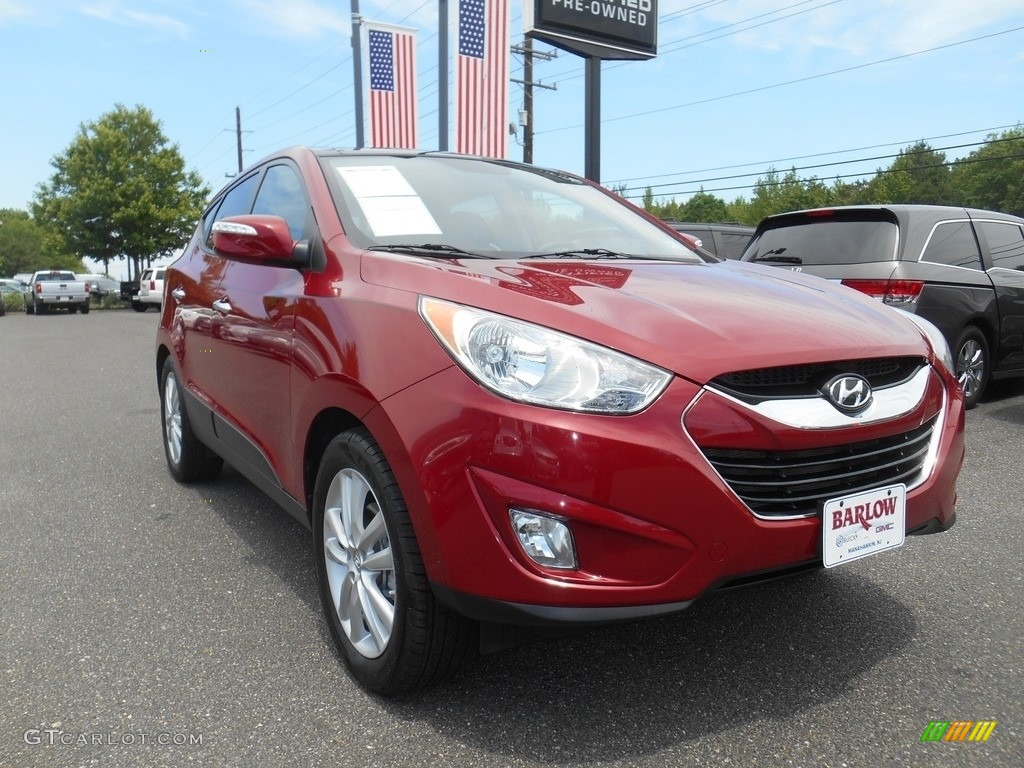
[326,425]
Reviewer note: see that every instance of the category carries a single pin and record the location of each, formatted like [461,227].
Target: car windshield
[824,240]
[452,207]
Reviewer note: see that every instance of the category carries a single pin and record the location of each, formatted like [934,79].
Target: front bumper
[654,525]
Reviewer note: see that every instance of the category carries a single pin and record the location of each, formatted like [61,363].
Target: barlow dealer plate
[863,524]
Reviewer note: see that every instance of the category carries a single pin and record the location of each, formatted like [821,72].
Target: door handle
[222,305]
[178,293]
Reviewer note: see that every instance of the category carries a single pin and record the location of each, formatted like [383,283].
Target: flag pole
[357,71]
[442,78]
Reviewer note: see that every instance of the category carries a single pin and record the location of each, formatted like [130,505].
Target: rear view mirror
[253,238]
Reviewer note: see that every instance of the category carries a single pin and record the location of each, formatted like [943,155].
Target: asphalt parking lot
[143,623]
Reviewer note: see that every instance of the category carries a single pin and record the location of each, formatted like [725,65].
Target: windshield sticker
[389,203]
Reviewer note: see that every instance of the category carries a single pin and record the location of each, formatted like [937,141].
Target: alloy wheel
[359,562]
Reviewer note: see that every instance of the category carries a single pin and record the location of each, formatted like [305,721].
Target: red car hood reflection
[697,320]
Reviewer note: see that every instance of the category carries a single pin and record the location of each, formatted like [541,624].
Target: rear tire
[188,460]
[138,306]
[85,308]
[970,356]
[392,633]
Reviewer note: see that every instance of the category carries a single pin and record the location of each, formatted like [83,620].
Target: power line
[764,163]
[808,78]
[825,165]
[879,172]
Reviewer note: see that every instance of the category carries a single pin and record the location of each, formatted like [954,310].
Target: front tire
[188,460]
[970,355]
[392,633]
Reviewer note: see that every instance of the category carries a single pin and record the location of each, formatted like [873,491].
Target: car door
[193,287]
[1004,249]
[256,308]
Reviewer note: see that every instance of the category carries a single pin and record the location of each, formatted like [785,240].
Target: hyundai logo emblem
[849,393]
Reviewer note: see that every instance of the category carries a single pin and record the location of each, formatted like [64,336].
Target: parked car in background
[726,241]
[960,268]
[151,289]
[56,289]
[499,394]
[100,286]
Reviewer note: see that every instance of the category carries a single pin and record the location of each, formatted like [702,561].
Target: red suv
[501,395]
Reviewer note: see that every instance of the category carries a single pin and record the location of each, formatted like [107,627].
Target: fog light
[547,540]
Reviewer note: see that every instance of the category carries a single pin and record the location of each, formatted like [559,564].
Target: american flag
[482,78]
[392,54]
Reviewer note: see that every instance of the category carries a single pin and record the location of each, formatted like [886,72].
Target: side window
[281,194]
[1005,243]
[733,244]
[236,202]
[952,243]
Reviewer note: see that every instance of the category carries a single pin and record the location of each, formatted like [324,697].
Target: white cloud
[297,18]
[11,11]
[884,26]
[117,14]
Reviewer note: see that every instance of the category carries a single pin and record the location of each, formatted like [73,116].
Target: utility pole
[238,134]
[526,49]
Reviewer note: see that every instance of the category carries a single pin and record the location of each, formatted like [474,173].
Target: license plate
[863,524]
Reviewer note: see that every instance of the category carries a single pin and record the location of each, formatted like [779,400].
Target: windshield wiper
[584,253]
[430,249]
[776,255]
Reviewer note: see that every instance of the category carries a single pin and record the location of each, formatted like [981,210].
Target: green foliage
[918,175]
[23,247]
[13,302]
[992,176]
[112,301]
[120,190]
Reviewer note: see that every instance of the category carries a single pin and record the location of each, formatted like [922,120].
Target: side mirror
[253,238]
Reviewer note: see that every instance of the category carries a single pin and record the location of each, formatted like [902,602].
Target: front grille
[793,483]
[806,380]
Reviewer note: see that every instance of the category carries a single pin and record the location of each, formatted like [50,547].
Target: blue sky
[738,85]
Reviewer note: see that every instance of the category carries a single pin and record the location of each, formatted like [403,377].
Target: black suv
[726,241]
[960,268]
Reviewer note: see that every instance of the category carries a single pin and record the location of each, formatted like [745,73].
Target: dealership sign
[607,29]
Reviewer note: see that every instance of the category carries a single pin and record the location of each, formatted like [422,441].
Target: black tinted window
[953,243]
[732,244]
[826,240]
[281,195]
[1005,243]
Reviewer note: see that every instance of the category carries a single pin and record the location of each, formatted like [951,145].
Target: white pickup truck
[56,288]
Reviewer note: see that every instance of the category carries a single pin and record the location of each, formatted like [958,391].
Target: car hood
[697,320]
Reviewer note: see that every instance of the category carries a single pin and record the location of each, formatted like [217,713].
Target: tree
[120,190]
[992,176]
[22,246]
[918,175]
[704,206]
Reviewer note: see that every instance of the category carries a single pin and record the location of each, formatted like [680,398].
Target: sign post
[597,30]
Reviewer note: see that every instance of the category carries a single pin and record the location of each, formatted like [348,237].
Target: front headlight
[531,364]
[939,344]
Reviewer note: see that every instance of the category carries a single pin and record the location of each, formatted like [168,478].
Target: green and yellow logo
[958,730]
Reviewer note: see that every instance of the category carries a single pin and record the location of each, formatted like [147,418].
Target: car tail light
[889,291]
[152,285]
[86,287]
[39,287]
